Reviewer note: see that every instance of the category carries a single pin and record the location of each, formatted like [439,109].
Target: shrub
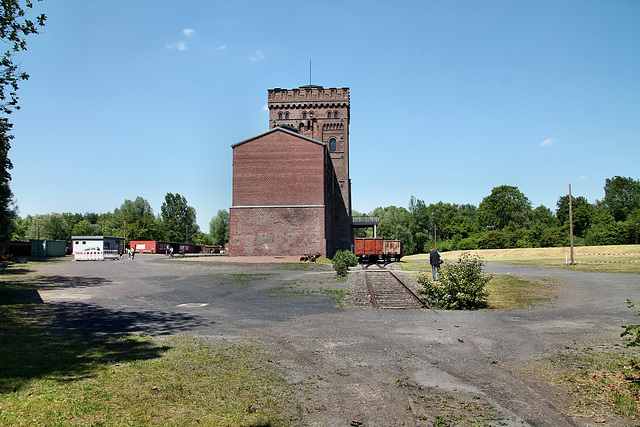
[460,286]
[491,240]
[342,260]
[631,332]
[468,243]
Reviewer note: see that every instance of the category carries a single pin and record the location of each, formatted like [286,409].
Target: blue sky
[449,99]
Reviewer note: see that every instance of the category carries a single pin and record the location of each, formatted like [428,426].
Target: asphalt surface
[347,361]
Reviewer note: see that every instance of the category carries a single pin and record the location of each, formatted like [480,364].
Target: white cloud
[257,56]
[188,32]
[583,177]
[220,47]
[547,142]
[182,46]
[266,107]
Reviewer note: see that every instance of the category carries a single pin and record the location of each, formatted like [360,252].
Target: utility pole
[571,223]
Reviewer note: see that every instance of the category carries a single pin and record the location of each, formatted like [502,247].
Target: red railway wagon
[156,247]
[374,248]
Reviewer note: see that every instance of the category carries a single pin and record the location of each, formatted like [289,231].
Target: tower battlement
[309,93]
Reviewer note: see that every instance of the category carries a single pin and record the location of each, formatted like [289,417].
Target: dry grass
[601,382]
[554,257]
[508,292]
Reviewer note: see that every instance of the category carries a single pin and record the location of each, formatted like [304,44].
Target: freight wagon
[371,249]
[155,247]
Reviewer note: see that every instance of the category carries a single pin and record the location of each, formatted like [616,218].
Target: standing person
[133,252]
[435,261]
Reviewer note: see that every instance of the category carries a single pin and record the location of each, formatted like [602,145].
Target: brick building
[291,188]
[320,114]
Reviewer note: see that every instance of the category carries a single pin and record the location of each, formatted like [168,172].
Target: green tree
[8,210]
[605,230]
[140,221]
[583,212]
[178,218]
[420,227]
[633,226]
[621,196]
[506,205]
[14,28]
[544,216]
[54,227]
[394,224]
[85,228]
[110,225]
[219,227]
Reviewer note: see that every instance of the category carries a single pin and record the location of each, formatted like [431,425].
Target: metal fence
[96,255]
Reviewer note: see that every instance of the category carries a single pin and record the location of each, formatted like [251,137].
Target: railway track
[387,291]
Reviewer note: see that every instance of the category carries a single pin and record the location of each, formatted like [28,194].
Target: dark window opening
[333,145]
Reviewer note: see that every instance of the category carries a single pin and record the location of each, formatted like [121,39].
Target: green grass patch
[242,279]
[511,292]
[54,376]
[294,289]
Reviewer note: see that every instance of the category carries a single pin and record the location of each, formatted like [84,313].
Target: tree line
[175,223]
[506,219]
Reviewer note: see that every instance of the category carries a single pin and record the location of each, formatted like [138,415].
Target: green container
[48,248]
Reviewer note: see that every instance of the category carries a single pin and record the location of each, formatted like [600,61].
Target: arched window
[335,115]
[304,115]
[286,116]
[328,114]
[279,116]
[333,145]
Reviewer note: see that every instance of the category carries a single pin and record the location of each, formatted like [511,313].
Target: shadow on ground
[66,341]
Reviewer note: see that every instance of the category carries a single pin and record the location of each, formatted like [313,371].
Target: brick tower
[321,114]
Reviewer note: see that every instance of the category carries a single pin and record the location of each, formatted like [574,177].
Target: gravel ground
[351,364]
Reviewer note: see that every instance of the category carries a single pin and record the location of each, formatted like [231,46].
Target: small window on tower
[329,115]
[279,116]
[335,115]
[333,145]
[286,116]
[304,115]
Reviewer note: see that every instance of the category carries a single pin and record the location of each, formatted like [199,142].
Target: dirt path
[354,365]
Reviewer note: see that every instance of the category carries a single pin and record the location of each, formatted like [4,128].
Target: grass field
[549,257]
[54,377]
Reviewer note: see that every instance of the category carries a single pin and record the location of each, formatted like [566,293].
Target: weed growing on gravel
[293,290]
[603,380]
[445,409]
[242,279]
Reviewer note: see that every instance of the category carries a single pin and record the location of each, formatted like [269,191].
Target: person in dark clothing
[435,261]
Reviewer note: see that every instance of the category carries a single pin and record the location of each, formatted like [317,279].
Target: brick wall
[276,231]
[278,196]
[278,168]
